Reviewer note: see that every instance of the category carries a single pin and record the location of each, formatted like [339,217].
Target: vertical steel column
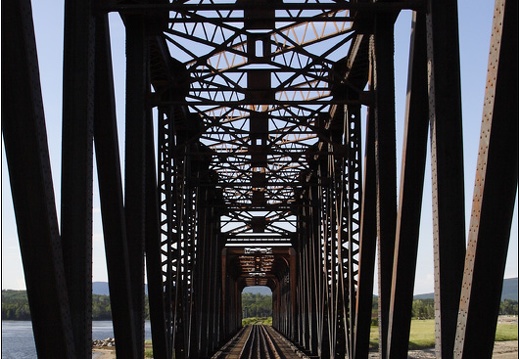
[300,335]
[367,246]
[181,270]
[237,305]
[156,296]
[495,191]
[77,167]
[178,256]
[292,292]
[202,276]
[301,246]
[382,60]
[352,210]
[306,312]
[25,141]
[330,248]
[324,256]
[212,297]
[136,90]
[111,194]
[313,257]
[206,275]
[340,237]
[167,172]
[282,307]
[217,302]
[447,168]
[309,311]
[225,289]
[276,307]
[188,245]
[411,190]
[318,275]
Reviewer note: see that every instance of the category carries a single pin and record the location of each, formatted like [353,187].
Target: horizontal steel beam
[378,7]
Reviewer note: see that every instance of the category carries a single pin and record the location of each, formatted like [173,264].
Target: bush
[257,320]
[256,305]
[148,353]
[508,307]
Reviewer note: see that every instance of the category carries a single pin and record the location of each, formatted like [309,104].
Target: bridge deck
[258,341]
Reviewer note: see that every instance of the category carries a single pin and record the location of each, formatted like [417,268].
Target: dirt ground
[503,350]
[506,350]
[98,353]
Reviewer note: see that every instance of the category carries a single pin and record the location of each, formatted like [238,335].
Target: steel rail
[258,342]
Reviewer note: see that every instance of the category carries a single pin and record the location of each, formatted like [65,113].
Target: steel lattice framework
[244,166]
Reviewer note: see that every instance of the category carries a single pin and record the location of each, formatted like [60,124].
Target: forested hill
[101,288]
[509,291]
[16,307]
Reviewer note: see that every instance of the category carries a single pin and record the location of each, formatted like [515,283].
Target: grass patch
[506,331]
[148,349]
[374,337]
[422,334]
[148,353]
[257,320]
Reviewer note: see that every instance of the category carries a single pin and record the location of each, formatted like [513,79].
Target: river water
[18,340]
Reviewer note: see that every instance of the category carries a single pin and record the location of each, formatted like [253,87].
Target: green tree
[15,306]
[256,305]
[423,309]
[508,307]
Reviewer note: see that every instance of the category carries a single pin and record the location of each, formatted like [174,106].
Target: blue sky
[475,30]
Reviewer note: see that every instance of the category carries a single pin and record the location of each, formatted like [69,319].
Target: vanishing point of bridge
[260,149]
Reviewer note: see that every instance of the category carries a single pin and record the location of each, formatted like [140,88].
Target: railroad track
[257,342]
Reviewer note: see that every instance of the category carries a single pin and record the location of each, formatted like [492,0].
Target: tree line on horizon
[256,305]
[15,306]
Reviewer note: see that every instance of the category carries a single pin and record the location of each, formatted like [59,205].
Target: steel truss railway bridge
[260,149]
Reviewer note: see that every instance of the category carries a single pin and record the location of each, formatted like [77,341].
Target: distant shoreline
[509,289]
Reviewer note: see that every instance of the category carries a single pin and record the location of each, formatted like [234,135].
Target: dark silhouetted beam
[111,195]
[382,51]
[411,191]
[367,247]
[447,168]
[153,251]
[77,167]
[27,153]
[136,85]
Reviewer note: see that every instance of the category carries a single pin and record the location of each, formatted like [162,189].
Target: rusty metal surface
[495,191]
